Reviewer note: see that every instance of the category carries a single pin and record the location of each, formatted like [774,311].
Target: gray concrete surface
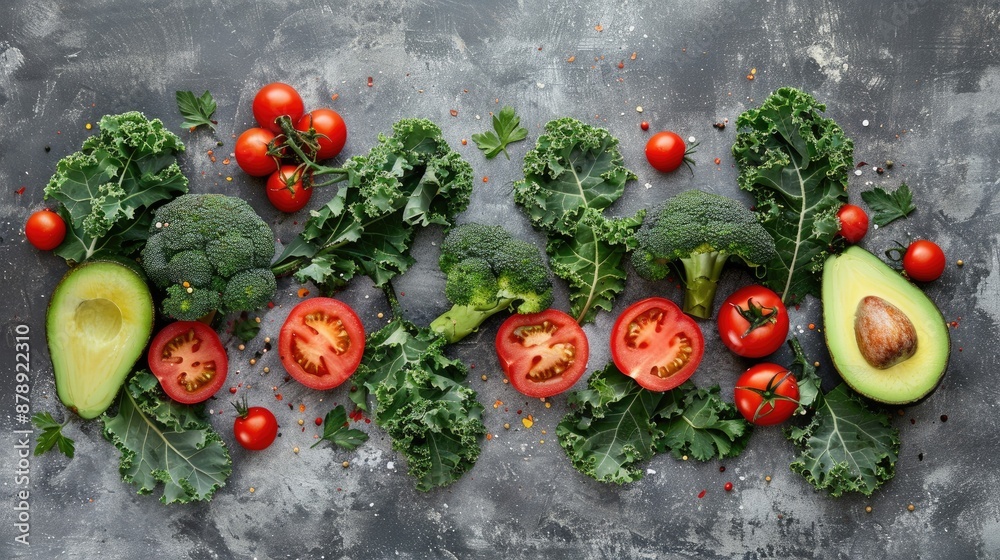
[924,73]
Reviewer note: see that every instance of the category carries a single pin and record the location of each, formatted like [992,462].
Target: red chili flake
[728,487]
[232,390]
[465,142]
[453,112]
[599,28]
[621,64]
[571,59]
[861,164]
[335,97]
[368,420]
[319,421]
[19,191]
[279,397]
[702,494]
[719,125]
[486,179]
[303,292]
[356,414]
[644,125]
[718,161]
[371,82]
[722,468]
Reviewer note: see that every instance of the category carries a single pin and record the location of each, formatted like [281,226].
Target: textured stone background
[926,74]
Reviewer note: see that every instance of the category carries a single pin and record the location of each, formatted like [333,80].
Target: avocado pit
[885,335]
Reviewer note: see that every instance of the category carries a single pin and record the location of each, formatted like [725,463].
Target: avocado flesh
[98,323]
[850,277]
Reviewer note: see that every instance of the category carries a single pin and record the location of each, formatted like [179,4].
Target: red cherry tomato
[45,230]
[665,151]
[189,360]
[853,223]
[286,191]
[542,354]
[251,152]
[657,344]
[275,100]
[753,322]
[924,261]
[321,342]
[255,427]
[767,394]
[330,130]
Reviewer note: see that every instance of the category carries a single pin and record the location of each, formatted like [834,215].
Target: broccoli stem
[702,271]
[462,320]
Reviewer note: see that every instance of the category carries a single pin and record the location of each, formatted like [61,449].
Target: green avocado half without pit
[98,323]
[886,338]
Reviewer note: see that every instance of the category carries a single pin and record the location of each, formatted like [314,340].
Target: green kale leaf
[699,424]
[506,129]
[165,442]
[889,206]
[795,162]
[434,420]
[574,172]
[846,447]
[409,180]
[109,188]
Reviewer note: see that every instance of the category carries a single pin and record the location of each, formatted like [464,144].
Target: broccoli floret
[209,252]
[489,271]
[702,231]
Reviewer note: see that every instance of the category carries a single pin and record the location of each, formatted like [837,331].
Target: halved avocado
[887,339]
[98,323]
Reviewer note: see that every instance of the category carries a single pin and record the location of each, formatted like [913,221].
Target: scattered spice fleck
[486,179]
[303,292]
[483,377]
[278,396]
[621,64]
[319,421]
[335,97]
[911,507]
[728,487]
[302,422]
[719,125]
[812,326]
[644,125]
[879,170]
[638,109]
[19,191]
[88,126]
[571,59]
[506,425]
[371,81]
[599,28]
[295,450]
[528,421]
[702,494]
[498,404]
[944,417]
[634,54]
[718,161]
[453,112]
[302,407]
[865,122]
[253,361]
[722,468]
[868,509]
[345,464]
[232,390]
[489,436]
[548,405]
[684,458]
[959,262]
[252,489]
[767,478]
[465,142]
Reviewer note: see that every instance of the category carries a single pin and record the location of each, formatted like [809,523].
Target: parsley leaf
[889,206]
[508,129]
[846,447]
[52,435]
[162,441]
[196,111]
[335,430]
[246,328]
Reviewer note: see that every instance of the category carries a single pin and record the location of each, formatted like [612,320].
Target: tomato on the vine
[252,152]
[542,354]
[853,223]
[275,100]
[321,342]
[286,191]
[189,360]
[767,394]
[753,322]
[666,151]
[45,230]
[330,130]
[924,261]
[255,427]
[657,344]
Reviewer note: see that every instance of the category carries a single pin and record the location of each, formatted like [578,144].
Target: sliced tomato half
[321,342]
[657,344]
[189,360]
[542,354]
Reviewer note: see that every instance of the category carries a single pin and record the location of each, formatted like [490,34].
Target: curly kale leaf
[434,420]
[164,442]
[409,180]
[795,162]
[574,172]
[109,188]
[846,447]
[617,424]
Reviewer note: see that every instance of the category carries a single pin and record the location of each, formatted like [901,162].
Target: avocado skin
[90,357]
[849,277]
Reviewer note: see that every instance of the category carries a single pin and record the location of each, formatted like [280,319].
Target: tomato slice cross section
[656,344]
[542,354]
[321,342]
[189,360]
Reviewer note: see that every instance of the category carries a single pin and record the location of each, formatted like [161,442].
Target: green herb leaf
[573,173]
[810,383]
[795,162]
[164,442]
[335,430]
[699,424]
[421,401]
[51,435]
[508,130]
[196,111]
[109,188]
[408,181]
[889,206]
[846,447]
[246,328]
